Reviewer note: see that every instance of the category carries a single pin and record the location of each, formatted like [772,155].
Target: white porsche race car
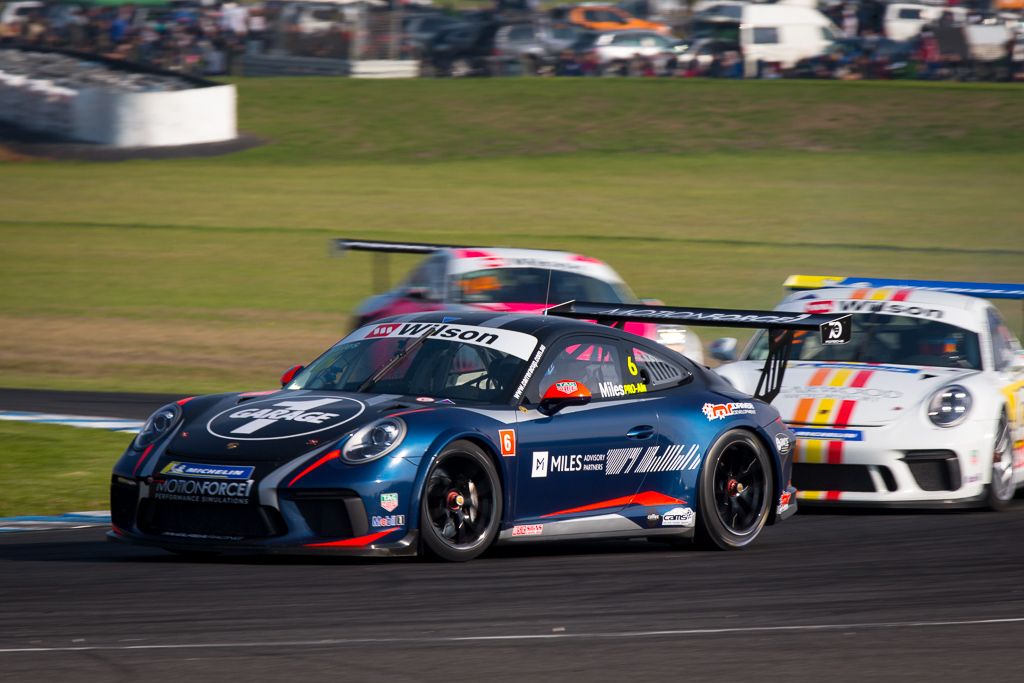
[925,407]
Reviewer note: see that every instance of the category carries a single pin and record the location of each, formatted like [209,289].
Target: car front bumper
[892,466]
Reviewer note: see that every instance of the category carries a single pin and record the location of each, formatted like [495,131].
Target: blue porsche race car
[444,433]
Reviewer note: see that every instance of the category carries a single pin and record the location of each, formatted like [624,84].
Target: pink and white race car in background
[499,279]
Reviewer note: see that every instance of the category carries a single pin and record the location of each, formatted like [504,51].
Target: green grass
[49,469]
[213,274]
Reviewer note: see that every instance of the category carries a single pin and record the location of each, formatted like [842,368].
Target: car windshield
[889,339]
[530,286]
[461,363]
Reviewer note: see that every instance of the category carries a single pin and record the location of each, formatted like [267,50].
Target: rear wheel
[1001,487]
[460,508]
[735,492]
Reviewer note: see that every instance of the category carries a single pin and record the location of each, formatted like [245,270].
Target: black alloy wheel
[735,492]
[460,509]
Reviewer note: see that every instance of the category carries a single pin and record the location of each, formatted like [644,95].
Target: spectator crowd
[209,39]
[200,40]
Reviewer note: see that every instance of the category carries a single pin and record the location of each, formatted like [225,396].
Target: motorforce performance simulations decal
[202,490]
[270,419]
[513,343]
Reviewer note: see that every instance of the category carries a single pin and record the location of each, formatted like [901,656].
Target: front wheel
[1001,488]
[460,509]
[735,492]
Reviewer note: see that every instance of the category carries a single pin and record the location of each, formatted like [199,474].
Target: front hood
[855,394]
[275,426]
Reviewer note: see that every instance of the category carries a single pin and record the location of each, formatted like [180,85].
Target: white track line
[536,636]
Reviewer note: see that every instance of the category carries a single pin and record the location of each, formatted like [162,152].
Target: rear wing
[381,249]
[781,325]
[986,290]
[341,245]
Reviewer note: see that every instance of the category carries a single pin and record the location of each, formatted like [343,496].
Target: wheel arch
[477,439]
[759,435]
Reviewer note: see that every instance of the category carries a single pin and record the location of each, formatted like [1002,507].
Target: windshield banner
[515,344]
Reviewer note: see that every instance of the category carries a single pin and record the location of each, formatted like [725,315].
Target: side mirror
[289,374]
[562,394]
[1017,364]
[723,349]
[418,293]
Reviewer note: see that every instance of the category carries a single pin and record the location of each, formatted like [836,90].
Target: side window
[626,40]
[595,362]
[429,275]
[521,33]
[653,370]
[765,35]
[1003,346]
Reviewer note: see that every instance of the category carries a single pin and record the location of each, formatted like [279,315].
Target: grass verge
[52,469]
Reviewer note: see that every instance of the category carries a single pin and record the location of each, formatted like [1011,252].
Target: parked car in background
[454,278]
[615,50]
[418,29]
[703,51]
[599,17]
[461,49]
[904,21]
[19,12]
[535,44]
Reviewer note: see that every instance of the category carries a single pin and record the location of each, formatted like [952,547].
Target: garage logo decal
[276,419]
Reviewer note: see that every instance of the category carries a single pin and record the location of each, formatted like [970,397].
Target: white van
[904,20]
[779,34]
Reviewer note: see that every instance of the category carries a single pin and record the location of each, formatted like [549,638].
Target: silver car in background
[617,52]
[533,45]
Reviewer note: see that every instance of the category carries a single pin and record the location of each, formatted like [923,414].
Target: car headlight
[374,440]
[672,337]
[158,424]
[949,406]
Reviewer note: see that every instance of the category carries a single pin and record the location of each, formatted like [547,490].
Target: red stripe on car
[321,461]
[645,498]
[356,542]
[142,458]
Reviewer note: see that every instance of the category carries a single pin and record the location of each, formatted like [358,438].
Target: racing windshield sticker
[271,419]
[516,344]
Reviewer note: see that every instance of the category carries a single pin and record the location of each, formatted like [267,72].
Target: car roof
[469,259]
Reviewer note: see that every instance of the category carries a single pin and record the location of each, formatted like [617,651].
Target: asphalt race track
[936,596]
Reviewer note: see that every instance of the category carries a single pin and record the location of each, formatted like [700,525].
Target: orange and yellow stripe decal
[819,495]
[827,412]
[882,294]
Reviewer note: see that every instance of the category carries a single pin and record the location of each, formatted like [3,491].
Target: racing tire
[461,503]
[1001,489]
[735,492]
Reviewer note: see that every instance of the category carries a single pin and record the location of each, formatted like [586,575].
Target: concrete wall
[119,118]
[155,119]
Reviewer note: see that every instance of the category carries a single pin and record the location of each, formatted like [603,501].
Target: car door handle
[641,432]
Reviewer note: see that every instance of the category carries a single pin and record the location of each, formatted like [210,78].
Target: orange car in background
[611,18]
